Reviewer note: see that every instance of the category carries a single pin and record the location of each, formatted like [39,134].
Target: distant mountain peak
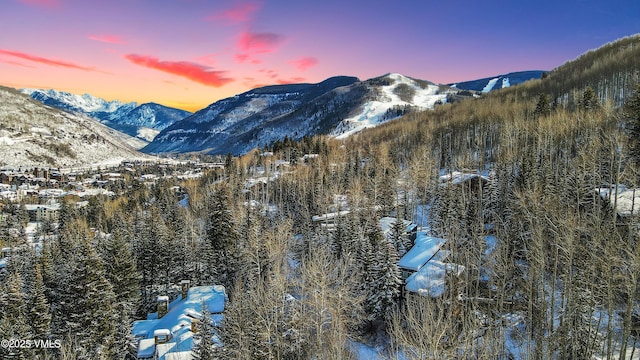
[144,121]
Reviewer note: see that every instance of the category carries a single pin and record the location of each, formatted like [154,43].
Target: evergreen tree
[84,298]
[385,282]
[23,215]
[93,316]
[40,312]
[120,268]
[204,348]
[222,236]
[589,101]
[13,324]
[118,345]
[543,107]
[398,237]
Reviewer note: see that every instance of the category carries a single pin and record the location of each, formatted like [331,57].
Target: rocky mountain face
[144,121]
[339,106]
[33,134]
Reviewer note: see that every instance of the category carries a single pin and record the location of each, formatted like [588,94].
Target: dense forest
[562,280]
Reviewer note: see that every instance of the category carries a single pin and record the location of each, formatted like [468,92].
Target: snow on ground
[430,280]
[366,352]
[147,134]
[421,217]
[505,83]
[490,85]
[625,201]
[373,112]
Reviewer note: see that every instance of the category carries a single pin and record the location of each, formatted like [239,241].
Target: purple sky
[190,53]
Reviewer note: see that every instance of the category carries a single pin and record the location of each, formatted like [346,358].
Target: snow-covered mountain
[396,95]
[499,81]
[143,121]
[32,134]
[338,106]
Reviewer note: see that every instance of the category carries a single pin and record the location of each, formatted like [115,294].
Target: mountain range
[144,121]
[339,106]
[35,135]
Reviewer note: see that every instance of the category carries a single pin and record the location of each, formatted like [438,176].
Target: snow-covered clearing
[490,85]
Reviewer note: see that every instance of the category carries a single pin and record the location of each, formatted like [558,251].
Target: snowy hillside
[241,122]
[77,103]
[398,93]
[32,134]
[498,82]
[338,106]
[144,121]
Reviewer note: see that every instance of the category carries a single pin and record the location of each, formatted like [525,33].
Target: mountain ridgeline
[143,121]
[339,106]
[35,135]
[498,82]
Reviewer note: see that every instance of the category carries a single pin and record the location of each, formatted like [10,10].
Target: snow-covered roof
[161,332]
[34,207]
[424,249]
[430,280]
[625,201]
[163,298]
[329,216]
[146,348]
[178,320]
[386,223]
[457,177]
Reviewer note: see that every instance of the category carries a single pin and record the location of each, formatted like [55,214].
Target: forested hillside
[551,256]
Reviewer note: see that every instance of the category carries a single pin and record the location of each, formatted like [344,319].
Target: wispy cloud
[46,61]
[42,3]
[259,43]
[107,38]
[304,63]
[192,71]
[241,13]
[16,63]
[272,74]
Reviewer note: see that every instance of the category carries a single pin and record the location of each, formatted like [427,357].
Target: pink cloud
[45,61]
[43,3]
[209,59]
[304,63]
[239,14]
[192,71]
[241,58]
[259,43]
[16,63]
[246,58]
[107,38]
[269,72]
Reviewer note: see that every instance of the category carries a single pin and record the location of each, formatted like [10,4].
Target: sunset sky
[190,53]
